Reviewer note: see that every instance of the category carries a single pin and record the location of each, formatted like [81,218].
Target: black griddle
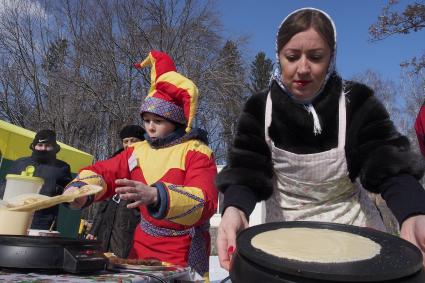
[51,253]
[398,260]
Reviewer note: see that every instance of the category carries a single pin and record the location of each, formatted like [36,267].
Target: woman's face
[304,61]
[156,126]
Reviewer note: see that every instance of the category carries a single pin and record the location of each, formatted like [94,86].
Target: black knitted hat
[45,136]
[134,131]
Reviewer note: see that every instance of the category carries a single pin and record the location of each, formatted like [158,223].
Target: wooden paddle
[33,202]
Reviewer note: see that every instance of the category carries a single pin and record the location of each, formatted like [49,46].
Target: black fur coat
[376,152]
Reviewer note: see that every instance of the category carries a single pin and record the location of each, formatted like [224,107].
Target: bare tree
[20,54]
[412,91]
[411,19]
[412,88]
[390,23]
[68,65]
[402,101]
[385,90]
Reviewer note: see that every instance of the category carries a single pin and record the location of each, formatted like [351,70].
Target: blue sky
[259,21]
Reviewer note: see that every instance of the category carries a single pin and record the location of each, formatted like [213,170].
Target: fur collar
[292,125]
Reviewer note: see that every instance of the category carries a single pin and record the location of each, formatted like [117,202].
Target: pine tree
[261,70]
[232,89]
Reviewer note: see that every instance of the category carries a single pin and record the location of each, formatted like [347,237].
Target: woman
[169,177]
[312,143]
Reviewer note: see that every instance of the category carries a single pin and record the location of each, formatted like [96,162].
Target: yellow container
[18,222]
[14,222]
[22,184]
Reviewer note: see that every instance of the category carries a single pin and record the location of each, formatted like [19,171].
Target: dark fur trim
[389,161]
[249,159]
[369,128]
[249,141]
[292,125]
[373,145]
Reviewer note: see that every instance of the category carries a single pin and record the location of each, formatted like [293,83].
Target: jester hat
[171,95]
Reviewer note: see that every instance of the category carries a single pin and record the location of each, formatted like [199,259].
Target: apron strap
[268,118]
[342,121]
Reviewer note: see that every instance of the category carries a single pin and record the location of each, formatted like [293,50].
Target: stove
[51,253]
[398,261]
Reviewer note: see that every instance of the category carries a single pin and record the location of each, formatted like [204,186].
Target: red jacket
[184,175]
[420,128]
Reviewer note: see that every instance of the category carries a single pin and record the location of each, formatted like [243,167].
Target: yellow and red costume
[176,229]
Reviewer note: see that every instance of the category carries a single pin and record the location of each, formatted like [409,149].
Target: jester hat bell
[171,95]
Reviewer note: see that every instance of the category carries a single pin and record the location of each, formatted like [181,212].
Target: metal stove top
[51,253]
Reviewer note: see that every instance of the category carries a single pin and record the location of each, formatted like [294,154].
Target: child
[169,176]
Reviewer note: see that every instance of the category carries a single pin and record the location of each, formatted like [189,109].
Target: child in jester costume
[169,176]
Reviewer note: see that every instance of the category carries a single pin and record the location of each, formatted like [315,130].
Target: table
[124,276]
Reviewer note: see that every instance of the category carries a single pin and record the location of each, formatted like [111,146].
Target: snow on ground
[216,272]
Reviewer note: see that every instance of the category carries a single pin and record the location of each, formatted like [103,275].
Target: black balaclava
[48,137]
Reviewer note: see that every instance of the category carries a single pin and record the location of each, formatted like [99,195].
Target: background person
[420,128]
[55,173]
[169,177]
[313,142]
[114,223]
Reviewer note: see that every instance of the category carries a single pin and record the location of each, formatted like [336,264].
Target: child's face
[156,126]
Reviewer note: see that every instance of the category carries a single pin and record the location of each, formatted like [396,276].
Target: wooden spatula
[45,201]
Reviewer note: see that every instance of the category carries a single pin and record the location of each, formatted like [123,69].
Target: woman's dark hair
[303,20]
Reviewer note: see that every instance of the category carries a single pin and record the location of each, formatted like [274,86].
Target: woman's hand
[413,230]
[137,192]
[77,203]
[233,221]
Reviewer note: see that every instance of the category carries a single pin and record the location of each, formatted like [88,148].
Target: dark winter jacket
[114,226]
[376,152]
[56,174]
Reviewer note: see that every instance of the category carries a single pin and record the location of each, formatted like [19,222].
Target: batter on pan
[316,245]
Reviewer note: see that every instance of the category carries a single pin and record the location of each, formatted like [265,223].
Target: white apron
[316,187]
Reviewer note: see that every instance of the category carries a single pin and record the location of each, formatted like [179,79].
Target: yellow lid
[26,176]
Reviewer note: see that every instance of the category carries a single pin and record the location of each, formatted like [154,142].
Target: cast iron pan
[397,259]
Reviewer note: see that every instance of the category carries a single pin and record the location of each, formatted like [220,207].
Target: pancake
[316,245]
